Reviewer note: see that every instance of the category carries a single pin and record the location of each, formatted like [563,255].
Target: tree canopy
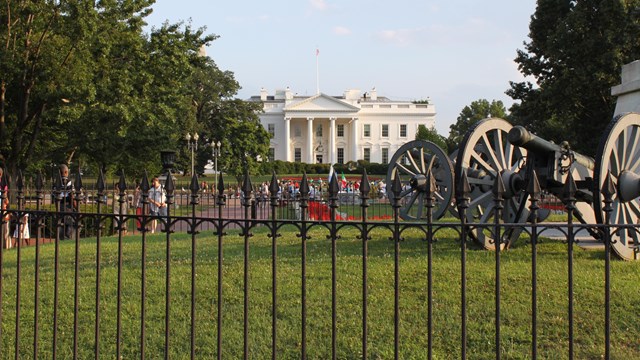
[575,54]
[471,114]
[432,135]
[81,82]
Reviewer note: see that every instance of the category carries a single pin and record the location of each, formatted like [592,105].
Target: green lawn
[516,298]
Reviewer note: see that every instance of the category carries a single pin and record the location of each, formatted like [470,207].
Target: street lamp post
[216,152]
[192,144]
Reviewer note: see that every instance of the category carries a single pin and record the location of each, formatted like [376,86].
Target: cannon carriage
[494,147]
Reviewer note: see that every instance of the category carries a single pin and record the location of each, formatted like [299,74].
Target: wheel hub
[628,186]
[418,182]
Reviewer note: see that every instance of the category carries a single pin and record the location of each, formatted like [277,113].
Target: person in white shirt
[157,202]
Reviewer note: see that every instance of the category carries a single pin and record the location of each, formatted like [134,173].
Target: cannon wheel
[484,153]
[411,162]
[619,153]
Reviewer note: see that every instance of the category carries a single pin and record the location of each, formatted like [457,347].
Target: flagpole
[317,73]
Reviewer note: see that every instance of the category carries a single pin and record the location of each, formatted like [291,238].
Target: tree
[471,114]
[431,135]
[233,122]
[82,82]
[576,51]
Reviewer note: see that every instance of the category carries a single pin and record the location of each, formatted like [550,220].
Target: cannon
[500,149]
[494,147]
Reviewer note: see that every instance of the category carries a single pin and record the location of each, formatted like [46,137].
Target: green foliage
[83,84]
[575,54]
[471,114]
[431,135]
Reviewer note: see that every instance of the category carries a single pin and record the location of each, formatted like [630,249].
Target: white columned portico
[310,154]
[287,138]
[332,140]
[354,142]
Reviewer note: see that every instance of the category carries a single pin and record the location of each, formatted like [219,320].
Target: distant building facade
[339,129]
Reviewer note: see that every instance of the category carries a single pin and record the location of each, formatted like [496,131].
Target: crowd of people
[288,190]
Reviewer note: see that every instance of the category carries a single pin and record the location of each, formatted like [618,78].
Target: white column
[310,157]
[287,139]
[332,140]
[355,137]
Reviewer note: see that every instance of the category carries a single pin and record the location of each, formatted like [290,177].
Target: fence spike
[78,183]
[169,186]
[334,189]
[396,186]
[246,185]
[498,187]
[304,186]
[570,188]
[101,184]
[58,180]
[20,181]
[5,178]
[194,187]
[608,188]
[144,183]
[220,184]
[39,182]
[463,188]
[273,186]
[365,187]
[431,184]
[122,183]
[534,189]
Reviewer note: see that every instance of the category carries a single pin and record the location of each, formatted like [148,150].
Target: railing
[99,270]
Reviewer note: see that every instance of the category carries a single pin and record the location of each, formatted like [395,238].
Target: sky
[451,52]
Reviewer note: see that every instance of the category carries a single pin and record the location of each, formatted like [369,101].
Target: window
[319,130]
[340,130]
[340,155]
[385,130]
[403,130]
[297,131]
[385,155]
[318,158]
[297,155]
[272,154]
[366,130]
[367,154]
[272,130]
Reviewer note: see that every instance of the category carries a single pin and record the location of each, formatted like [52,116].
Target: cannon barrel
[521,137]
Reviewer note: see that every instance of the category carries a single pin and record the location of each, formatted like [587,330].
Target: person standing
[4,193]
[157,202]
[68,203]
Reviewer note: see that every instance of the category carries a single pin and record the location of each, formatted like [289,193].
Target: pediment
[321,103]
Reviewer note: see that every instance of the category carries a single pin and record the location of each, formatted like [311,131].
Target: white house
[338,129]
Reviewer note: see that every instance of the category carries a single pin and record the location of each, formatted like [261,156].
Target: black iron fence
[55,301]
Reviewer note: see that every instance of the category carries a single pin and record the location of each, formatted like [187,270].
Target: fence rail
[89,272]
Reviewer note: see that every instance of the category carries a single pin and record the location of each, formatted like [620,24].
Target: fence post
[608,190]
[534,195]
[365,189]
[569,199]
[498,197]
[194,188]
[247,189]
[20,214]
[430,203]
[100,186]
[462,199]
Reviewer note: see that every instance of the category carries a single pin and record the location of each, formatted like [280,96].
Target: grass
[515,290]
